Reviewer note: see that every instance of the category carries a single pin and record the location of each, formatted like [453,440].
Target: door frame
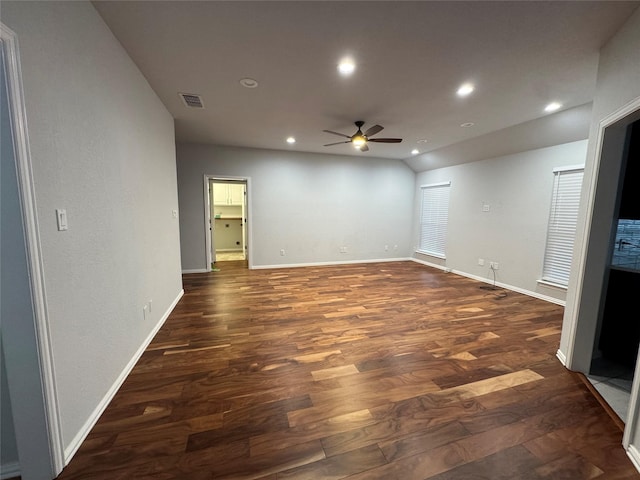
[581,329]
[44,454]
[247,220]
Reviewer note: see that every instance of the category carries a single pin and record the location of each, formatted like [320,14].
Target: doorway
[227,221]
[617,335]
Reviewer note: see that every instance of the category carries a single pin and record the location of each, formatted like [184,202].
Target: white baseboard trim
[324,264]
[195,270]
[562,357]
[498,284]
[9,470]
[634,455]
[73,446]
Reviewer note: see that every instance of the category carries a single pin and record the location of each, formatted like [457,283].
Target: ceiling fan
[360,139]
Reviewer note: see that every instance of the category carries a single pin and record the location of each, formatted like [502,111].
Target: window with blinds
[563,219]
[434,218]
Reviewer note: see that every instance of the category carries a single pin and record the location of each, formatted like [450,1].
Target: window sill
[548,283]
[431,254]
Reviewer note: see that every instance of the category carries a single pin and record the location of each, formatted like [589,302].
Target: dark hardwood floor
[369,371]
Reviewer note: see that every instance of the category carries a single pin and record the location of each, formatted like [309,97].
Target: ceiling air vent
[191,100]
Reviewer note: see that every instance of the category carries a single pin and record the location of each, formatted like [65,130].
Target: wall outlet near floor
[386,248]
[493,265]
[145,311]
[150,304]
[343,249]
[481,262]
[282,252]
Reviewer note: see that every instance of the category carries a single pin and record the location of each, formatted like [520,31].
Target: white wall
[9,218]
[517,189]
[8,447]
[227,233]
[307,204]
[102,147]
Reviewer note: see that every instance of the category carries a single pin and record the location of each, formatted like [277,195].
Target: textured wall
[513,232]
[310,205]
[102,147]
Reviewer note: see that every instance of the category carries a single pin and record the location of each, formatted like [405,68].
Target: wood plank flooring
[369,371]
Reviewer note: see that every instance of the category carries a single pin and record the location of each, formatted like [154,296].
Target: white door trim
[247,212]
[24,173]
[573,301]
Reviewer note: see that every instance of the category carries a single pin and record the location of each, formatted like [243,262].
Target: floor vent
[192,100]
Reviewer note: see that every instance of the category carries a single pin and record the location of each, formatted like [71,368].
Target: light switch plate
[61,216]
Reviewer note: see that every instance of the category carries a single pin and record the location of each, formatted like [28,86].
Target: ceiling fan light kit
[360,140]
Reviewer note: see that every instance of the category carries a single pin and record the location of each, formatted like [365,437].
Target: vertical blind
[563,218]
[434,218]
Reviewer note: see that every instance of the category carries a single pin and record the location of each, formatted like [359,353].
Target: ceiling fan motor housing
[360,139]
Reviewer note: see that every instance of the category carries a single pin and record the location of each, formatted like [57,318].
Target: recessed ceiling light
[291,140]
[552,107]
[415,151]
[423,140]
[249,83]
[465,89]
[467,125]
[346,67]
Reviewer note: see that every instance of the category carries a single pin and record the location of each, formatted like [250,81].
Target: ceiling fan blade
[364,148]
[386,140]
[337,143]
[336,133]
[373,130]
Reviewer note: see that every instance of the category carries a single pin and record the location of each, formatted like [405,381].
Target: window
[563,218]
[434,219]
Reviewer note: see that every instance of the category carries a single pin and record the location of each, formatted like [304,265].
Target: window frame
[439,217]
[563,216]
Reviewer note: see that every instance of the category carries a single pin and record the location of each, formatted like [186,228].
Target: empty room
[320,240]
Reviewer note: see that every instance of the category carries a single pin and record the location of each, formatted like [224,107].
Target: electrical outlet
[481,262]
[150,304]
[493,265]
[282,252]
[145,311]
[386,248]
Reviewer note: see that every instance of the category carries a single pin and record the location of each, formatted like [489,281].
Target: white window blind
[434,218]
[563,218]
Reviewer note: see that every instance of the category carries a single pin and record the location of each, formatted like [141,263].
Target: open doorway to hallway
[227,220]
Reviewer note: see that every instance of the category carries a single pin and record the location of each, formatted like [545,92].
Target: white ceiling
[410,56]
